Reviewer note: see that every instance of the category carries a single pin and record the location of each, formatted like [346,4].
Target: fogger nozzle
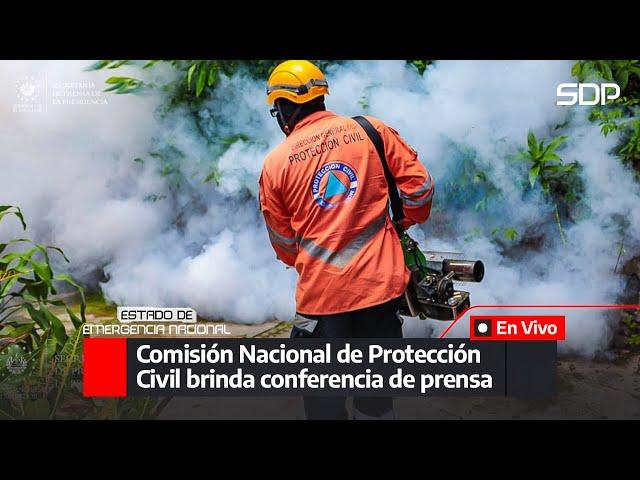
[464,270]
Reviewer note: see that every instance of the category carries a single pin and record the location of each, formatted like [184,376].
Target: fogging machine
[430,292]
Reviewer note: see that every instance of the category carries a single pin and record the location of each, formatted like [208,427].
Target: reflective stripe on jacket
[325,202]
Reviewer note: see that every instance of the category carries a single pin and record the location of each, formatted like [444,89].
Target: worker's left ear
[280,117]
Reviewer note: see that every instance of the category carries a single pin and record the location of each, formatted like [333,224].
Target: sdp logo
[582,96]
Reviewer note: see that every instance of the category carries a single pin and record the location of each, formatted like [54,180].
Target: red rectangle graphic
[105,367]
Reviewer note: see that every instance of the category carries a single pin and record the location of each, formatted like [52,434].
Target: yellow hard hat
[297,80]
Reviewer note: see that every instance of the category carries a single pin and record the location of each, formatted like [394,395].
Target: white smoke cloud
[205,246]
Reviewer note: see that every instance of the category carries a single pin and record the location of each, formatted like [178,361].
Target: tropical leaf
[533,174]
[69,354]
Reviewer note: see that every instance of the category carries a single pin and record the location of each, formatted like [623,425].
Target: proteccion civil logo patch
[335,183]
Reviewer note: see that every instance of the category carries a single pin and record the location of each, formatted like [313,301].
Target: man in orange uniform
[325,201]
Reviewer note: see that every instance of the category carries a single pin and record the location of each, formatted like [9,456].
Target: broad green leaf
[63,277]
[200,83]
[21,330]
[192,69]
[552,157]
[17,212]
[531,141]
[122,85]
[57,327]
[556,142]
[576,69]
[114,88]
[37,316]
[23,257]
[622,78]
[99,65]
[39,290]
[77,323]
[7,283]
[118,63]
[7,330]
[41,248]
[533,174]
[116,80]
[43,271]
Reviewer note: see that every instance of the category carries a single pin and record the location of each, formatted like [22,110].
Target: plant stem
[562,236]
[620,250]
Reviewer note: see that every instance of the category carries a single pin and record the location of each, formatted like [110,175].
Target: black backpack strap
[394,198]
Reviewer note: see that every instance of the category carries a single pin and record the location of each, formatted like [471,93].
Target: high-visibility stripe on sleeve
[424,188]
[343,256]
[421,202]
[280,239]
[293,250]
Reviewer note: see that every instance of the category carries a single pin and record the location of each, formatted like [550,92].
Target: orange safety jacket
[324,198]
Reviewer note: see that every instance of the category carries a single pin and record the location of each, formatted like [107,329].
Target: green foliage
[197,77]
[110,64]
[11,210]
[560,182]
[122,85]
[468,184]
[507,233]
[420,65]
[213,176]
[608,119]
[633,329]
[26,283]
[363,101]
[32,336]
[623,72]
[40,357]
[629,150]
[620,115]
[196,80]
[546,168]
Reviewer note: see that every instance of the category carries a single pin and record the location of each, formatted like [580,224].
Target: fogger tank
[431,292]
